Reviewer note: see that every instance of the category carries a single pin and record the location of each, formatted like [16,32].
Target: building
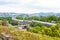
[23,24]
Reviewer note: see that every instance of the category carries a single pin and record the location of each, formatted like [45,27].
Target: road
[47,23]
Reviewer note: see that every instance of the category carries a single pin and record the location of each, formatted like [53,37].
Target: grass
[24,35]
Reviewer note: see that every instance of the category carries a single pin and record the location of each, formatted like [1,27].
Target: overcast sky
[29,6]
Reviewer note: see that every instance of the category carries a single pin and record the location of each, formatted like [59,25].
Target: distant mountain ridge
[24,14]
[45,14]
[39,14]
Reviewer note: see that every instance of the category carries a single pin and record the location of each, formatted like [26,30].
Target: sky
[29,6]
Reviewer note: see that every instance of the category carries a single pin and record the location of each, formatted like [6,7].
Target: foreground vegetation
[24,35]
[53,31]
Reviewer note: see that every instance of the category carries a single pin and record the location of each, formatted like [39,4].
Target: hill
[23,35]
[7,14]
[45,14]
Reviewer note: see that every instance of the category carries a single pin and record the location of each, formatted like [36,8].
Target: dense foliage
[13,22]
[49,18]
[9,19]
[53,31]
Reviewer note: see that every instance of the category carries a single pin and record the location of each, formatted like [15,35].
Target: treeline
[5,18]
[50,18]
[9,19]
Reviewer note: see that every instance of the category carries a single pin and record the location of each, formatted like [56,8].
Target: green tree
[14,22]
[58,26]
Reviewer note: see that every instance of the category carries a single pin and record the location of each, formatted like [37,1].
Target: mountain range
[25,14]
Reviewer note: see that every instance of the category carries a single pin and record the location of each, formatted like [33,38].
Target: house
[23,24]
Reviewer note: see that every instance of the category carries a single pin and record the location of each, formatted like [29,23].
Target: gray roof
[23,22]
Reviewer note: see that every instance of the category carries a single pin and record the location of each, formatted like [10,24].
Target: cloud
[29,6]
[3,2]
